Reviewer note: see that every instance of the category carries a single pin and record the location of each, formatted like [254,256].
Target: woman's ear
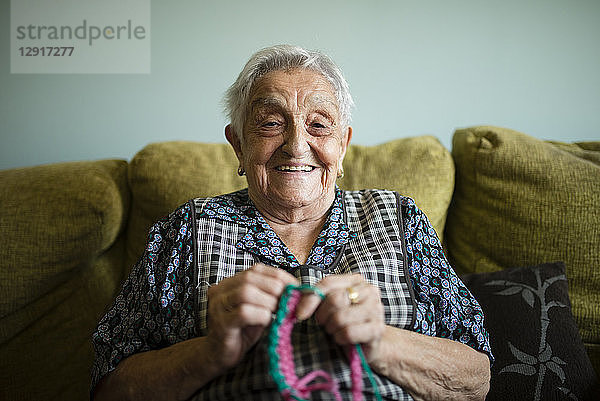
[234,141]
[346,141]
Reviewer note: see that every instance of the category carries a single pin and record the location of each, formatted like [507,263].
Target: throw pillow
[534,338]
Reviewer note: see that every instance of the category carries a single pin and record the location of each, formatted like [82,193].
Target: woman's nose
[296,140]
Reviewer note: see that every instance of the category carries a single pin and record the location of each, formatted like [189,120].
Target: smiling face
[293,142]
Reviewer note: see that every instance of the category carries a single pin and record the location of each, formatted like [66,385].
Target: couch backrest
[164,175]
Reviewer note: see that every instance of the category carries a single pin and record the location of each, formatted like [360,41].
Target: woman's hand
[352,312]
[429,368]
[239,310]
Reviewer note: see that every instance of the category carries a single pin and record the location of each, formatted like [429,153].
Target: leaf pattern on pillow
[540,361]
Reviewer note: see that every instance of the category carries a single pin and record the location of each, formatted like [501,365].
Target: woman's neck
[297,227]
[299,237]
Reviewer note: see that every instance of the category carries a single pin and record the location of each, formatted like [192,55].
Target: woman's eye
[270,124]
[319,128]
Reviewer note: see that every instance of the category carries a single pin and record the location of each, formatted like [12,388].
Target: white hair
[284,57]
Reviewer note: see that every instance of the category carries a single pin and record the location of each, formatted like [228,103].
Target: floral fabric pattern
[445,307]
[155,307]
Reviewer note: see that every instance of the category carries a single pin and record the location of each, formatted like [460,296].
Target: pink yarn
[306,385]
[356,372]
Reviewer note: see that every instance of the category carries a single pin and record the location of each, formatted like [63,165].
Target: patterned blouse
[157,305]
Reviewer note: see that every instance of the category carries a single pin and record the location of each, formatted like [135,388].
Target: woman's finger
[343,323]
[256,290]
[352,311]
[247,315]
[270,280]
[247,293]
[310,302]
[307,306]
[359,333]
[349,305]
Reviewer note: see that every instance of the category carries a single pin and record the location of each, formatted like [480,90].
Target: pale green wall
[414,67]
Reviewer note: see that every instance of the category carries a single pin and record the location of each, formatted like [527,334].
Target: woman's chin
[292,197]
[279,193]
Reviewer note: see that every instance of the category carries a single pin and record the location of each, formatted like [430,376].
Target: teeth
[295,168]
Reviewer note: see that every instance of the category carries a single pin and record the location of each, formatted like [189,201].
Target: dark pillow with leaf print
[539,353]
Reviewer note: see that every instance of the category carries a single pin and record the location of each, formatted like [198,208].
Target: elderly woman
[191,319]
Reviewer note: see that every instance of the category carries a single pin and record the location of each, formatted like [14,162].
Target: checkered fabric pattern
[376,252]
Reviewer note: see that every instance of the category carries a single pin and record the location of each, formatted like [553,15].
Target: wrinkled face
[293,141]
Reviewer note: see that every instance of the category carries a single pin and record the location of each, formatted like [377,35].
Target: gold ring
[353,296]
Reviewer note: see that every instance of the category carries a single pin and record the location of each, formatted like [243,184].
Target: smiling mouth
[295,168]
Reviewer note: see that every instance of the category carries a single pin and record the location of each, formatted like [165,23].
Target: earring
[241,171]
[340,173]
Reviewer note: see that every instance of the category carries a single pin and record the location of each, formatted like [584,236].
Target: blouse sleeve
[155,307]
[445,307]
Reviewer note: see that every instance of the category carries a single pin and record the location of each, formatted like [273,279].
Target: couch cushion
[521,201]
[60,265]
[419,167]
[164,175]
[538,351]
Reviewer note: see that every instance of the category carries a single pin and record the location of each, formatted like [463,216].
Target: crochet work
[281,357]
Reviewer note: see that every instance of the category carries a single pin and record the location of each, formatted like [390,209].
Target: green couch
[71,231]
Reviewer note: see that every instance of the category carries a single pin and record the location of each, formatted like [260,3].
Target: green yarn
[309,288]
[367,369]
[274,340]
[280,315]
